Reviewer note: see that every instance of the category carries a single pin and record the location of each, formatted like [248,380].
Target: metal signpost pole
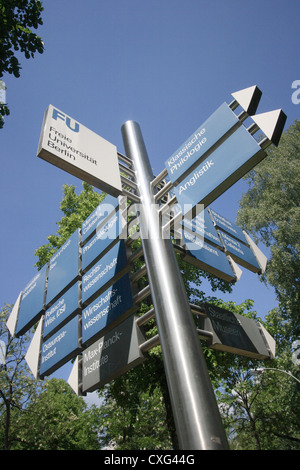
[195,410]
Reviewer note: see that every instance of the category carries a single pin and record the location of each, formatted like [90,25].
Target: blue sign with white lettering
[212,130]
[111,305]
[209,259]
[60,348]
[203,226]
[99,215]
[228,163]
[62,310]
[108,267]
[104,238]
[241,253]
[229,227]
[63,267]
[32,302]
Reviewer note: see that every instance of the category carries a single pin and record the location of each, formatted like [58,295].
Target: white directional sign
[76,149]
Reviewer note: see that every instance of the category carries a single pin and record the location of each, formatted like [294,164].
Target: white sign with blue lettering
[76,149]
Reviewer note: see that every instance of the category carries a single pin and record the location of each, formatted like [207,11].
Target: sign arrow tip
[248,99]
[272,124]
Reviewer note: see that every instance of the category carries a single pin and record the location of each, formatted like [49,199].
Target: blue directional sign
[63,267]
[216,173]
[203,227]
[214,130]
[62,310]
[208,258]
[113,304]
[227,226]
[60,348]
[32,302]
[112,265]
[105,237]
[241,253]
[99,215]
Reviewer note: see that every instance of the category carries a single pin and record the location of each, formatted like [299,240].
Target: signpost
[236,334]
[60,348]
[99,216]
[83,297]
[203,227]
[112,305]
[227,164]
[211,134]
[210,259]
[111,266]
[63,268]
[241,253]
[226,225]
[32,302]
[112,355]
[105,237]
[74,148]
[65,307]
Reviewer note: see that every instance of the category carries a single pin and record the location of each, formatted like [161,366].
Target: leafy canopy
[17,19]
[270,210]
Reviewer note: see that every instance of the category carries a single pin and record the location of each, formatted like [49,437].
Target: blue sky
[167,64]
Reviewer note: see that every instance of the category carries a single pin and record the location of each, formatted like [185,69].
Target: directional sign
[63,267]
[226,165]
[99,215]
[218,127]
[237,334]
[112,355]
[60,348]
[241,253]
[203,227]
[32,302]
[113,304]
[213,130]
[112,266]
[62,310]
[74,148]
[227,226]
[209,259]
[107,235]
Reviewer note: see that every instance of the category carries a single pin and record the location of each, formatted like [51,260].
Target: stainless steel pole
[196,415]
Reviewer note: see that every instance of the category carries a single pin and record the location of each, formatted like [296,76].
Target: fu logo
[72,125]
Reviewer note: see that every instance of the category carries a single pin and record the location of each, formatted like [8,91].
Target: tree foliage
[39,415]
[18,18]
[75,209]
[17,388]
[262,412]
[270,210]
[57,420]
